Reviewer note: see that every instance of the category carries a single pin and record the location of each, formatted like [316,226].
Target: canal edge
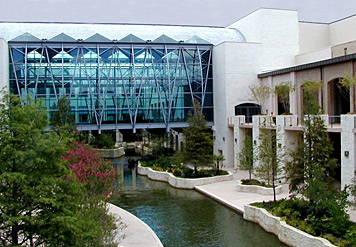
[220,200]
[137,232]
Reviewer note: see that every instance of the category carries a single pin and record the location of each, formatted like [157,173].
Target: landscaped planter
[257,189]
[285,233]
[181,183]
[112,153]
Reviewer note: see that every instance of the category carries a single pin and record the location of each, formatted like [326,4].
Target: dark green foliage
[165,164]
[103,141]
[62,118]
[177,172]
[268,168]
[310,173]
[311,167]
[198,147]
[246,156]
[333,224]
[41,201]
[282,91]
[219,159]
[254,182]
[157,145]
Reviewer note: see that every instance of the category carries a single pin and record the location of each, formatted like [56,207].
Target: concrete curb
[137,233]
[257,189]
[112,153]
[220,200]
[286,234]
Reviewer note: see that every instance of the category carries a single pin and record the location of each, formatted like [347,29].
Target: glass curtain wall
[115,83]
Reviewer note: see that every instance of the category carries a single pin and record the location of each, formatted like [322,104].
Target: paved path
[227,194]
[137,233]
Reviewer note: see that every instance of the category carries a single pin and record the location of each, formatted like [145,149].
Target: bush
[158,168]
[103,141]
[332,223]
[254,182]
[177,172]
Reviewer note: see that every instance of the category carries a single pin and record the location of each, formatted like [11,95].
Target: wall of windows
[112,83]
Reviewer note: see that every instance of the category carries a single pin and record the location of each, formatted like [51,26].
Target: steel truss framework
[115,84]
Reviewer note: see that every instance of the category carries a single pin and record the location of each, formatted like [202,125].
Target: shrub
[331,223]
[254,182]
[177,172]
[103,141]
[94,172]
[158,168]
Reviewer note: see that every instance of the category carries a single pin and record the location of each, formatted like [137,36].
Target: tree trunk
[14,235]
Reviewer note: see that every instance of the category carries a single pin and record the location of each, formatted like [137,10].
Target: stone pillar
[118,138]
[287,140]
[293,99]
[4,69]
[255,136]
[239,137]
[348,153]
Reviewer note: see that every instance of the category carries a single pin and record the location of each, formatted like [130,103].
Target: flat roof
[306,66]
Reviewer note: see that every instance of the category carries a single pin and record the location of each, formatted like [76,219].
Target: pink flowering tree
[93,171]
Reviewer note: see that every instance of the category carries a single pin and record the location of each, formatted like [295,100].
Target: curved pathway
[137,233]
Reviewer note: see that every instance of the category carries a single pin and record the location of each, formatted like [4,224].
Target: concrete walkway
[227,194]
[137,233]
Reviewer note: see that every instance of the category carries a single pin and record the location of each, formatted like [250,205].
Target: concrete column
[118,138]
[255,136]
[4,68]
[293,99]
[348,153]
[287,140]
[239,137]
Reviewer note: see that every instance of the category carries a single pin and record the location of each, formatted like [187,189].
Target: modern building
[136,76]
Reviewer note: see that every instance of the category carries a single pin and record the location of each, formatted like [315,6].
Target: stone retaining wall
[181,183]
[257,189]
[136,232]
[285,233]
[112,153]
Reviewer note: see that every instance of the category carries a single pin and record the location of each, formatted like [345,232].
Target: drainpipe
[322,90]
[353,87]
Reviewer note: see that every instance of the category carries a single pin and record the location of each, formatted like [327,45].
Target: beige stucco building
[280,48]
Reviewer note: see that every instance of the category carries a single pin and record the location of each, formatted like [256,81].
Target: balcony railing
[334,121]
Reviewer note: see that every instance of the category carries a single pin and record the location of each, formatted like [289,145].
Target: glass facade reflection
[113,84]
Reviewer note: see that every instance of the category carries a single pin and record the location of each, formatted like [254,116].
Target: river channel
[186,218]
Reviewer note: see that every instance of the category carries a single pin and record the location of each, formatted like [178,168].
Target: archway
[248,110]
[339,98]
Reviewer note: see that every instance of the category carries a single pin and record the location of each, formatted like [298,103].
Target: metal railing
[334,120]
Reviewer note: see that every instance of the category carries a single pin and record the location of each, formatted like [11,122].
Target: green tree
[218,159]
[348,82]
[311,166]
[310,170]
[63,118]
[198,148]
[268,168]
[282,91]
[41,201]
[260,93]
[246,156]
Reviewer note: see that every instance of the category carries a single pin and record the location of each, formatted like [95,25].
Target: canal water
[186,218]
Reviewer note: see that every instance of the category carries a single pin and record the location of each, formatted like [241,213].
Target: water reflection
[187,218]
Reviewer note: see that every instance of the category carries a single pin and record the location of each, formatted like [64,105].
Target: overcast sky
[193,12]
